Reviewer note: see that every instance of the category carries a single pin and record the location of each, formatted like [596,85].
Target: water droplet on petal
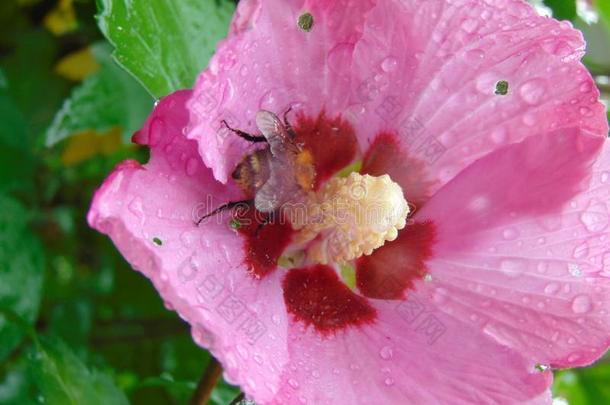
[595,217]
[573,357]
[440,295]
[135,206]
[586,87]
[389,381]
[581,251]
[551,288]
[386,353]
[389,64]
[475,55]
[513,267]
[156,131]
[529,119]
[340,57]
[499,135]
[533,91]
[191,166]
[510,234]
[581,304]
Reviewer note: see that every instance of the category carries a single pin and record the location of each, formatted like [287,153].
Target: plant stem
[238,399]
[206,384]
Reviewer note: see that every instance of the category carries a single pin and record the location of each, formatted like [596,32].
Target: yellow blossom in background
[61,19]
[77,65]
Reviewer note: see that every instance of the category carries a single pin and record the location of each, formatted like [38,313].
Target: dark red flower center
[315,295]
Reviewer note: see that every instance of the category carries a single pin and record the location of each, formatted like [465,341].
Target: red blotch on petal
[390,270]
[315,296]
[386,156]
[332,142]
[263,245]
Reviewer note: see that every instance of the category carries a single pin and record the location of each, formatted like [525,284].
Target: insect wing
[279,189]
[274,130]
[281,185]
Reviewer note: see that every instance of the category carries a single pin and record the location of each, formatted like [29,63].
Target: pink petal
[428,71]
[413,354]
[273,65]
[199,271]
[522,236]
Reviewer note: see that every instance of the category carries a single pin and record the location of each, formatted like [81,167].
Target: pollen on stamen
[350,217]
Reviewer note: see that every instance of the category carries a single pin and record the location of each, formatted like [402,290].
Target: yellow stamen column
[350,216]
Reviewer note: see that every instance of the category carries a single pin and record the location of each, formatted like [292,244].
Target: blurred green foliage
[83,336]
[72,330]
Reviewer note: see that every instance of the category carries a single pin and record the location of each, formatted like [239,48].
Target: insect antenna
[226,206]
[245,135]
[287,123]
[270,217]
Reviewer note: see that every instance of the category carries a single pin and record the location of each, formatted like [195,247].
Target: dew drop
[389,381]
[581,251]
[551,288]
[533,91]
[191,166]
[156,131]
[573,357]
[586,87]
[510,234]
[475,55]
[440,295]
[499,135]
[386,353]
[581,304]
[135,206]
[513,267]
[529,119]
[389,64]
[585,111]
[595,217]
[339,57]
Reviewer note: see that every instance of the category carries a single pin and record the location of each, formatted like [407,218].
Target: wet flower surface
[480,112]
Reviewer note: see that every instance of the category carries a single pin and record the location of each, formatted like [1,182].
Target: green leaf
[62,378]
[603,7]
[16,388]
[21,272]
[104,100]
[562,9]
[40,95]
[584,386]
[164,43]
[16,159]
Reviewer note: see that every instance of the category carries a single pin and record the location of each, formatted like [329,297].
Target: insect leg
[267,220]
[226,206]
[287,123]
[245,135]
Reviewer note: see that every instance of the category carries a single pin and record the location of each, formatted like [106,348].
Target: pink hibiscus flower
[480,112]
